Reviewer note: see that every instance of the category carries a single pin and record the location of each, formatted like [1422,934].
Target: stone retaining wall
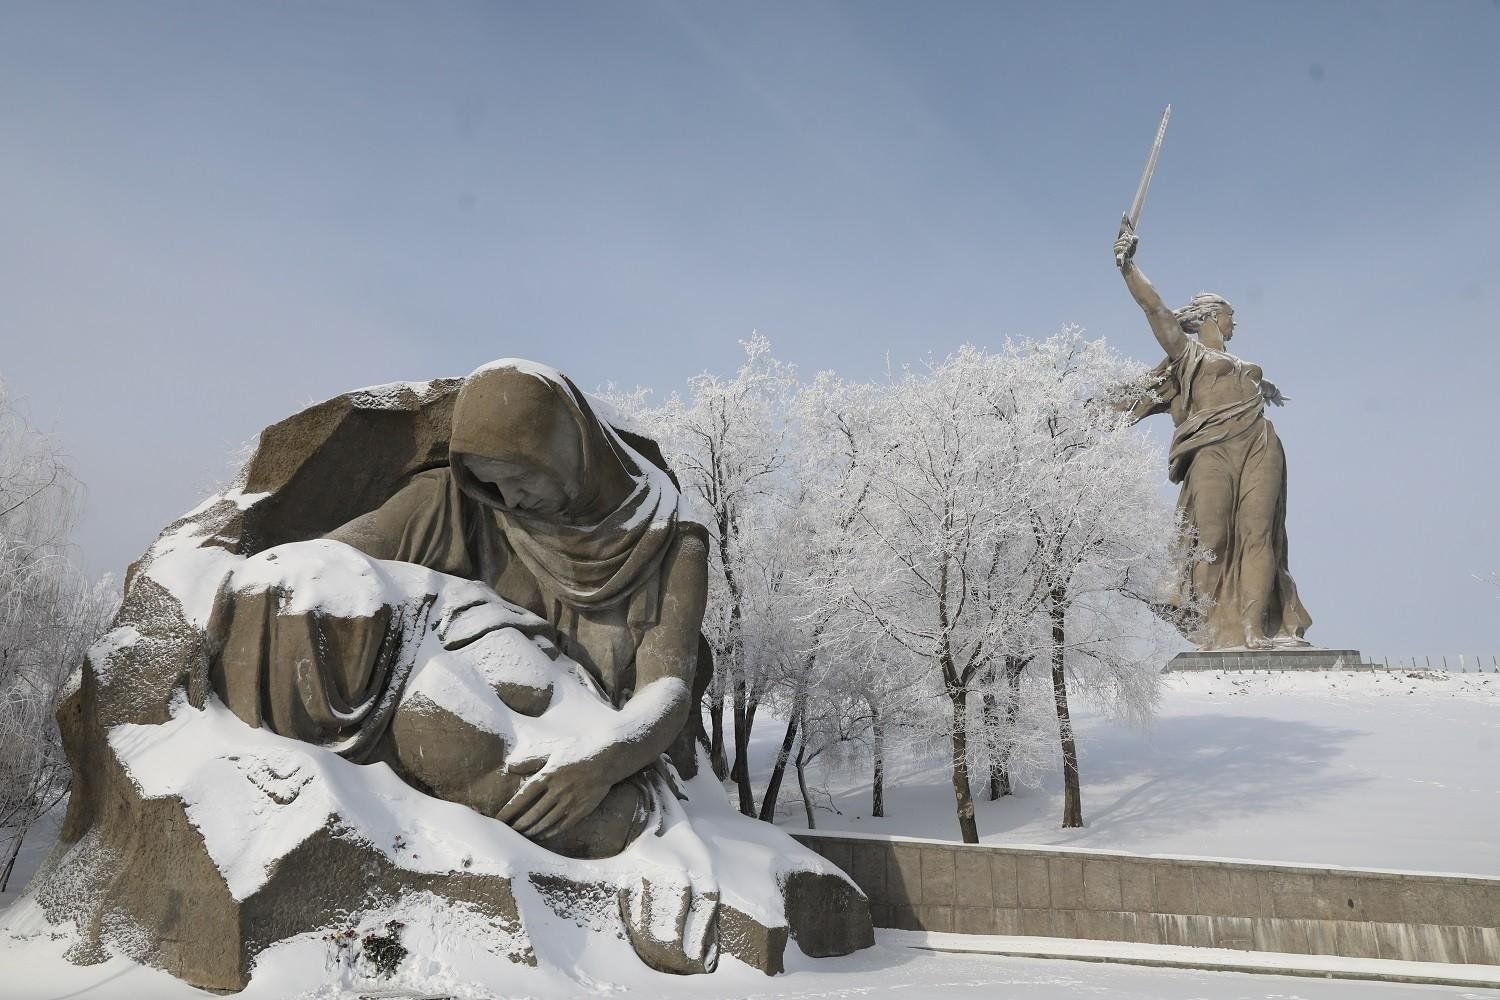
[980,889]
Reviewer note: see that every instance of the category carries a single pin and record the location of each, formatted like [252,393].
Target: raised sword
[1134,214]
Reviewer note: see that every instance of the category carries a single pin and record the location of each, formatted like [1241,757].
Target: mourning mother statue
[1236,591]
[558,515]
[432,662]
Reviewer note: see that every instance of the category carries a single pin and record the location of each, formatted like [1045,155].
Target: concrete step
[1166,956]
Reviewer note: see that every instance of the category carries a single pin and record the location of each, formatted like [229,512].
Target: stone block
[1332,896]
[1451,944]
[974,919]
[1142,928]
[1251,894]
[904,918]
[1174,890]
[1003,885]
[868,867]
[1464,904]
[1284,935]
[903,876]
[1213,894]
[935,918]
[1481,945]
[1322,937]
[1065,876]
[1101,925]
[1375,899]
[1356,940]
[937,876]
[1101,884]
[1486,897]
[1293,897]
[839,852]
[1064,923]
[1197,931]
[1136,890]
[1394,941]
[972,879]
[1036,923]
[1007,920]
[1032,883]
[762,946]
[826,915]
[1233,932]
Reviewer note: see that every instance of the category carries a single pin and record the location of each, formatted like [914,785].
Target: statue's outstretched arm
[1163,323]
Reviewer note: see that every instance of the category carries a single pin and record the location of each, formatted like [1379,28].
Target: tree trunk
[716,739]
[877,783]
[1072,795]
[963,799]
[1000,783]
[812,823]
[773,788]
[740,770]
[999,780]
[15,852]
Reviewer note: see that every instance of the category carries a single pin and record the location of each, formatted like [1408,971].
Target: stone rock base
[1294,658]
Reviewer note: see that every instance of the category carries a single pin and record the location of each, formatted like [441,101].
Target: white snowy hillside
[1380,770]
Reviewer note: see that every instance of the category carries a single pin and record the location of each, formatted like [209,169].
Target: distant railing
[1460,663]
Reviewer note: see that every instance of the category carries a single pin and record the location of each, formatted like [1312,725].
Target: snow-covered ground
[1380,770]
[1358,769]
[890,969]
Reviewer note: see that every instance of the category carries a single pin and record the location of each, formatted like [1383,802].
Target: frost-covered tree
[819,673]
[1100,534]
[1012,511]
[727,441]
[931,558]
[936,571]
[49,614]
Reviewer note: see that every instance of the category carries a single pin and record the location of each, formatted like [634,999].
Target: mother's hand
[553,798]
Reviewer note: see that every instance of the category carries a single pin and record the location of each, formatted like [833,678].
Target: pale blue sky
[211,213]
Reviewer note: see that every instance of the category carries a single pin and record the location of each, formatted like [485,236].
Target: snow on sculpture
[435,660]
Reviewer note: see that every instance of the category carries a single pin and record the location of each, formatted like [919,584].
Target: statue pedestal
[1291,658]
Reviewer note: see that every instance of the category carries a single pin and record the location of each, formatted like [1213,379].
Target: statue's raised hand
[1125,242]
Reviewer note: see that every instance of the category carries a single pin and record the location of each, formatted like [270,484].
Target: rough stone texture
[1265,659]
[1152,900]
[825,915]
[134,873]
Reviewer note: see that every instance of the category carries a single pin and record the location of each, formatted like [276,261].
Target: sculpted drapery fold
[1232,468]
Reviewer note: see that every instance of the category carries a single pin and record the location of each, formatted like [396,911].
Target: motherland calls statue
[1232,468]
[432,662]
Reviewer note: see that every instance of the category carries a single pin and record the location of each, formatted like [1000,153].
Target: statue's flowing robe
[1231,465]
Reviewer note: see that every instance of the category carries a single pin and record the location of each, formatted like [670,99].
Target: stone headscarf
[606,548]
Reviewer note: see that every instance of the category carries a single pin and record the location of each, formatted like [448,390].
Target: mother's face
[523,486]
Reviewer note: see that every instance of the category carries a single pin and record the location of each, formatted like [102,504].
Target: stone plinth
[1304,658]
